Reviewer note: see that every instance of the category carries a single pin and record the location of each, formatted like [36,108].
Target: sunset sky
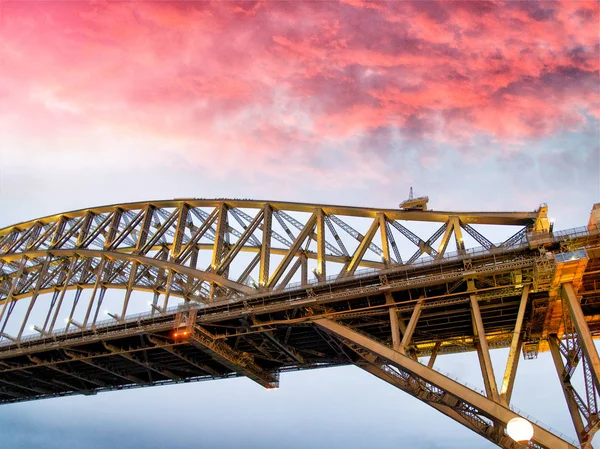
[480,105]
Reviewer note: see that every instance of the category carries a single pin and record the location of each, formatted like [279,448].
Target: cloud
[259,81]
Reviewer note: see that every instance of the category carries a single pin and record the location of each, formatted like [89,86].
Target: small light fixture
[519,429]
[197,292]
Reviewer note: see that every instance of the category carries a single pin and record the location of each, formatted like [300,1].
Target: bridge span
[210,289]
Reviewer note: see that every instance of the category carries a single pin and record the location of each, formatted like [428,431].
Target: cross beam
[113,371]
[149,366]
[201,366]
[67,372]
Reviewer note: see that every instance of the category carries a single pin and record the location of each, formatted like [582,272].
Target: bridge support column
[487,370]
[515,348]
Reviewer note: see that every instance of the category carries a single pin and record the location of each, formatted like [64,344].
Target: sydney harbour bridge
[207,289]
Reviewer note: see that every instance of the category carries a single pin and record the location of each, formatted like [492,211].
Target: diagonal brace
[486,407]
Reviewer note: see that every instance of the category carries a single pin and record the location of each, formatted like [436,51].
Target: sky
[479,105]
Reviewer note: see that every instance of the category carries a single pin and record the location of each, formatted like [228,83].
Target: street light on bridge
[519,429]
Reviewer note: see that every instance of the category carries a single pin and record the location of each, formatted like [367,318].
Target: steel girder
[477,412]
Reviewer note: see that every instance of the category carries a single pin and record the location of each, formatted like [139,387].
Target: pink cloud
[215,79]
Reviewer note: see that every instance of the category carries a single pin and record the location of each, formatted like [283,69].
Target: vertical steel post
[396,340]
[515,348]
[62,293]
[38,285]
[385,244]
[265,249]
[321,267]
[93,296]
[487,370]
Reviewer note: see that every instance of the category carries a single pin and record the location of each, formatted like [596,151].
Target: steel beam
[149,366]
[232,359]
[321,259]
[362,249]
[515,348]
[129,290]
[6,392]
[385,243]
[34,295]
[290,274]
[100,272]
[220,237]
[412,325]
[112,371]
[452,413]
[265,249]
[434,354]
[486,407]
[191,245]
[395,327]
[33,389]
[66,372]
[201,366]
[583,331]
[246,235]
[303,269]
[182,221]
[13,287]
[487,370]
[63,291]
[460,244]
[289,351]
[116,215]
[306,231]
[567,390]
[445,239]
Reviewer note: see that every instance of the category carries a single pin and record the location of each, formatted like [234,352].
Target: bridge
[153,293]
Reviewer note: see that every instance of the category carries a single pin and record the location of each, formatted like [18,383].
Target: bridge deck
[272,332]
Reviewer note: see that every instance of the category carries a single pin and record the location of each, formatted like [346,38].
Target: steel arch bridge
[209,289]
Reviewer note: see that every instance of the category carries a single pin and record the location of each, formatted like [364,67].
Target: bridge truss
[212,289]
